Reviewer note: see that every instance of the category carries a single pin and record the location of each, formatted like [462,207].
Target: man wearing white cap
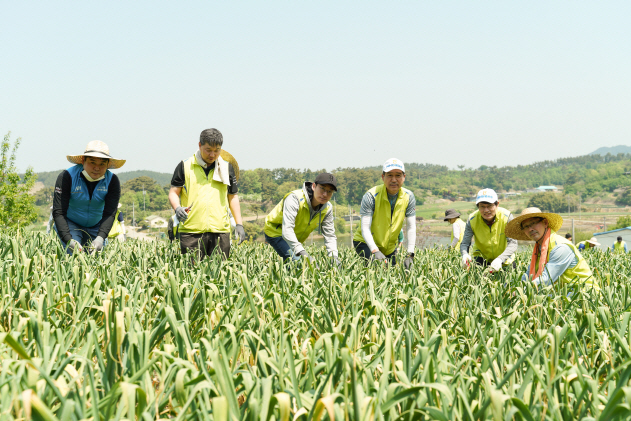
[491,249]
[86,198]
[383,210]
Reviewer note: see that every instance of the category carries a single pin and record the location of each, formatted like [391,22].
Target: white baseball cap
[486,195]
[393,164]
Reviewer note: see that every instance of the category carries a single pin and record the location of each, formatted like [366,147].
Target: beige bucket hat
[593,241]
[513,228]
[97,149]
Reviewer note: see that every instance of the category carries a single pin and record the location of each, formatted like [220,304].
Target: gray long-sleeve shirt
[511,244]
[327,224]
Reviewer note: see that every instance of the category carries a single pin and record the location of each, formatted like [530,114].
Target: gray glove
[74,245]
[97,244]
[408,262]
[303,254]
[124,238]
[181,214]
[337,262]
[240,232]
[378,256]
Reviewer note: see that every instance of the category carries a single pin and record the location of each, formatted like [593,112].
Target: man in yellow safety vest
[301,211]
[554,259]
[457,228]
[491,249]
[201,188]
[383,210]
[619,246]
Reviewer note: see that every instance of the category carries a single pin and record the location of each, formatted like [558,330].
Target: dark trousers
[204,244]
[363,250]
[481,261]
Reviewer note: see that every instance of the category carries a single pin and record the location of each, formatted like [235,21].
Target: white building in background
[607,238]
[156,221]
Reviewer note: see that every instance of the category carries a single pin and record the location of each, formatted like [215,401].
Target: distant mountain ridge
[614,150]
[50,177]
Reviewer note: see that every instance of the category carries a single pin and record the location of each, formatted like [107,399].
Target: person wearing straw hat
[86,198]
[588,244]
[554,259]
[202,187]
[384,208]
[118,229]
[491,249]
[457,227]
[300,212]
[619,246]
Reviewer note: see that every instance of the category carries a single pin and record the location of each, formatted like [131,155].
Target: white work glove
[181,213]
[74,245]
[466,261]
[378,255]
[496,265]
[97,244]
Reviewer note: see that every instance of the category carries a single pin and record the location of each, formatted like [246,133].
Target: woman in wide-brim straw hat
[86,198]
[457,227]
[588,244]
[554,259]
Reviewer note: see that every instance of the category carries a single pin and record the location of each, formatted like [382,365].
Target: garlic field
[139,333]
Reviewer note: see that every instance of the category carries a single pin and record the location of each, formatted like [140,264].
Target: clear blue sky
[322,84]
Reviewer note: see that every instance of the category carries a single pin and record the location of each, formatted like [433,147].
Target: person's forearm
[174,197]
[328,232]
[411,232]
[466,239]
[235,208]
[290,211]
[511,248]
[366,223]
[123,228]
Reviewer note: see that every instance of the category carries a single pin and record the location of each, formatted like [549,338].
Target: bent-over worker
[554,258]
[491,249]
[118,228]
[301,211]
[86,197]
[587,245]
[457,227]
[383,210]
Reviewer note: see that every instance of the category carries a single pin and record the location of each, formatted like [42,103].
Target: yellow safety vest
[117,229]
[386,225]
[619,247]
[304,223]
[208,197]
[462,225]
[586,244]
[580,273]
[490,242]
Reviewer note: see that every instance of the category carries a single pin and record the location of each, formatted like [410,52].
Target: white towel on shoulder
[222,171]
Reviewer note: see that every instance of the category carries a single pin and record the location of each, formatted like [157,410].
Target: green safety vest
[618,247]
[462,225]
[208,197]
[304,223]
[490,242]
[386,225]
[579,273]
[117,229]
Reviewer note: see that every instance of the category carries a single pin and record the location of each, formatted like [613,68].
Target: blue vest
[83,211]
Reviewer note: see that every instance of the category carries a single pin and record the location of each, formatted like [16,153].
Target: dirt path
[132,232]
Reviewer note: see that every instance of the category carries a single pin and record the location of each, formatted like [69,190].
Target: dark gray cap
[451,213]
[326,178]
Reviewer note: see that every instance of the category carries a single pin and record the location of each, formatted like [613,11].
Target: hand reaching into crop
[74,245]
[337,262]
[97,244]
[240,232]
[466,261]
[378,255]
[496,265]
[181,213]
[407,263]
